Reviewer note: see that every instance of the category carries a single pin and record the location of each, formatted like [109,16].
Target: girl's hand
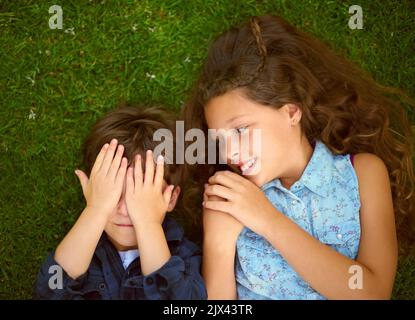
[241,199]
[220,229]
[146,202]
[102,190]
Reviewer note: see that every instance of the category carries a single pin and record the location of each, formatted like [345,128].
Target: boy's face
[119,227]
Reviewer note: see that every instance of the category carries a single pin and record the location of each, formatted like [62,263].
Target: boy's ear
[173,200]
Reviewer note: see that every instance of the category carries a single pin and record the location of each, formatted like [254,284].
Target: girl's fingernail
[160,159]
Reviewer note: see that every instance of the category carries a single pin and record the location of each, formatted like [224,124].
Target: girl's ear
[294,113]
[173,200]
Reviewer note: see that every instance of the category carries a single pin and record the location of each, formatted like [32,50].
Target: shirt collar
[317,174]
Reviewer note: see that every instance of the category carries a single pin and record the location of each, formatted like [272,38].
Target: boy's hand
[103,189]
[146,202]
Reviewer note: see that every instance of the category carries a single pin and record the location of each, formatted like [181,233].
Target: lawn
[54,84]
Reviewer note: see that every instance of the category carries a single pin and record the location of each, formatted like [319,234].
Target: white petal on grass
[32,115]
[151,76]
[32,81]
[70,31]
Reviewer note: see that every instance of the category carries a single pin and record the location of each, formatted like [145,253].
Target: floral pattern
[324,202]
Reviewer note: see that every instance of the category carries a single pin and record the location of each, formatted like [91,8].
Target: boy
[122,246]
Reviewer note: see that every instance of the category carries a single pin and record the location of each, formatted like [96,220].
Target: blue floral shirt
[324,202]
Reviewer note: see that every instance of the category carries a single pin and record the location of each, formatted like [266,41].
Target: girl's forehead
[231,109]
[226,109]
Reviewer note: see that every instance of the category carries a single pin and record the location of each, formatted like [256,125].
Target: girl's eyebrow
[229,121]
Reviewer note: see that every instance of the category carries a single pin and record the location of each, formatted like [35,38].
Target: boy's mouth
[124,225]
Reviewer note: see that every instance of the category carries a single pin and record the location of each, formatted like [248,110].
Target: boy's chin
[123,243]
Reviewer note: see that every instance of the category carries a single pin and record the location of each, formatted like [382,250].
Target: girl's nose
[233,151]
[233,157]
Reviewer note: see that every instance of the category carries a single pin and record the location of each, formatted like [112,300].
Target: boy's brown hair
[133,127]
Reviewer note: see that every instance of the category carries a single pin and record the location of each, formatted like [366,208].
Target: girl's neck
[302,156]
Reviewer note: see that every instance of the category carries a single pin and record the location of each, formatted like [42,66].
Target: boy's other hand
[146,201]
[103,189]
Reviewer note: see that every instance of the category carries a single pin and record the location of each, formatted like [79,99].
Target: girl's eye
[241,129]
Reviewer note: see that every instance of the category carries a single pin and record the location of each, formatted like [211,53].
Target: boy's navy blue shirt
[179,278]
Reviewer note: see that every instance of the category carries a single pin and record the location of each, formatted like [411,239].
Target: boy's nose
[122,208]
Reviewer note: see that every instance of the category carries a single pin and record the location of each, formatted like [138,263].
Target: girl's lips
[247,167]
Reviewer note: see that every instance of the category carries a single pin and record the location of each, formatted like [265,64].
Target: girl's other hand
[219,229]
[240,198]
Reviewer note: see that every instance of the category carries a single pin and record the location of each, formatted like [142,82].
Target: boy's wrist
[152,219]
[99,213]
[145,226]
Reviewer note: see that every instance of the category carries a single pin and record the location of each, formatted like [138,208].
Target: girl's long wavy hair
[276,64]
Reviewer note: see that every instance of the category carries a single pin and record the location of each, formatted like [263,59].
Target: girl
[310,216]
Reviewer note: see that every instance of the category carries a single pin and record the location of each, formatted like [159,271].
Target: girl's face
[280,135]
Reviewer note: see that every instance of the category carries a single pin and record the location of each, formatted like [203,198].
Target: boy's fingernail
[160,158]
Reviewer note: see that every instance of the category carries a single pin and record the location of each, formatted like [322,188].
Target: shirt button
[102,286]
[339,236]
[149,281]
[133,282]
[293,202]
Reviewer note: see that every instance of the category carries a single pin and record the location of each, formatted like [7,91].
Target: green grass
[68,80]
